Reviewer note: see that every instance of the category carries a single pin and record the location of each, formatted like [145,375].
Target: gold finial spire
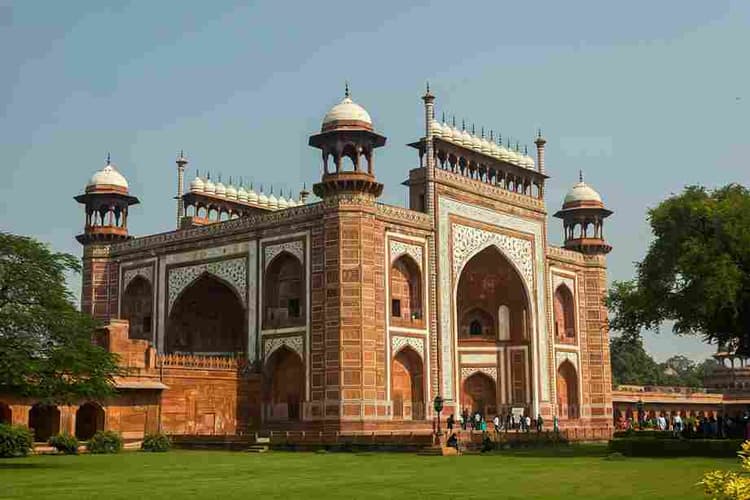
[346,89]
[580,176]
[109,160]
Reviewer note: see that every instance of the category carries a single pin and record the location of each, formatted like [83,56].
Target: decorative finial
[499,139]
[516,146]
[230,180]
[443,116]
[482,132]
[242,181]
[208,177]
[219,176]
[472,129]
[251,185]
[454,121]
[525,149]
[346,89]
[197,173]
[428,86]
[580,176]
[272,189]
[538,132]
[109,160]
[492,133]
[463,125]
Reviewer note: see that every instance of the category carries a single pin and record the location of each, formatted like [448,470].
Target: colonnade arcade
[44,420]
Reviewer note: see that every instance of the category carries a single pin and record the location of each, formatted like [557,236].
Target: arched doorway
[284,385]
[6,415]
[492,311]
[45,421]
[137,307]
[89,420]
[479,394]
[284,292]
[407,385]
[567,391]
[564,311]
[207,318]
[406,292]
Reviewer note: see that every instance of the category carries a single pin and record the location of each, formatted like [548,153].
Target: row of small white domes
[240,194]
[480,144]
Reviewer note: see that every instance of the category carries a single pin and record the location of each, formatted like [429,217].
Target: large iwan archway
[492,312]
[407,385]
[284,385]
[137,307]
[207,318]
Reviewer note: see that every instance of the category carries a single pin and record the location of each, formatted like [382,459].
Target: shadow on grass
[593,450]
[24,465]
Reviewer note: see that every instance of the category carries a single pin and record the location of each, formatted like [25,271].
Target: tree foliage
[631,364]
[46,348]
[696,272]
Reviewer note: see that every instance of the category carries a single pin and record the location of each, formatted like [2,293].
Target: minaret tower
[347,132]
[583,215]
[181,162]
[107,201]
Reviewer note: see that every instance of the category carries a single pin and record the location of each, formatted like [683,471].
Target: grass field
[226,475]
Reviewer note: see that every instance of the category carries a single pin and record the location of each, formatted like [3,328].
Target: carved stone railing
[489,190]
[404,215]
[199,362]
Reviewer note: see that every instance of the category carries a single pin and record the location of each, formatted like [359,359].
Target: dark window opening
[293,308]
[475,328]
[396,308]
[147,324]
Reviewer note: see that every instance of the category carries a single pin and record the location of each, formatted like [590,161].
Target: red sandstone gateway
[343,315]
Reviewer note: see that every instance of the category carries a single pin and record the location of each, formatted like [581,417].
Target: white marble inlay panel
[467,241]
[447,207]
[478,359]
[144,272]
[295,343]
[399,341]
[232,271]
[468,371]
[399,248]
[562,356]
[295,247]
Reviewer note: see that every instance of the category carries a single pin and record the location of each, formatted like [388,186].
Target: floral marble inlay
[233,271]
[562,356]
[398,342]
[399,248]
[272,343]
[144,272]
[490,371]
[295,248]
[468,240]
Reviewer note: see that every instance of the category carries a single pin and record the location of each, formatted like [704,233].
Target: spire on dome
[580,175]
[109,159]
[346,89]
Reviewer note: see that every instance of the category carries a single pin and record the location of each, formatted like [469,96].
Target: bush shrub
[156,442]
[15,440]
[650,447]
[105,442]
[64,443]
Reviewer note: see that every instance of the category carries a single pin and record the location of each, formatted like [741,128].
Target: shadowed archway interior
[89,420]
[284,385]
[407,385]
[45,421]
[567,391]
[207,318]
[137,307]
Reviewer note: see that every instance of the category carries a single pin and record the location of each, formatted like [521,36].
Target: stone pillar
[99,283]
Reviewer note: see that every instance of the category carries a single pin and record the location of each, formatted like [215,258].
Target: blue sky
[644,97]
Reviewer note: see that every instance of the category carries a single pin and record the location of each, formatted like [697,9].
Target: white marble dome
[209,187]
[437,129]
[108,176]
[242,194]
[582,192]
[262,198]
[347,111]
[196,185]
[252,196]
[221,189]
[232,192]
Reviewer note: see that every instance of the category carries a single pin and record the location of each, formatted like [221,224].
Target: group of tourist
[477,422]
[702,426]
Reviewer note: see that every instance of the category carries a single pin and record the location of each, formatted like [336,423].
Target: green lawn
[226,475]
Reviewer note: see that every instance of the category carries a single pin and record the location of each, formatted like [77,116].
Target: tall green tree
[631,364]
[46,348]
[696,272]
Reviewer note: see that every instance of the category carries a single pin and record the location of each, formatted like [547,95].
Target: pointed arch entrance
[493,312]
[407,385]
[45,421]
[567,391]
[284,385]
[89,420]
[207,318]
[6,415]
[479,394]
[137,307]
[284,292]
